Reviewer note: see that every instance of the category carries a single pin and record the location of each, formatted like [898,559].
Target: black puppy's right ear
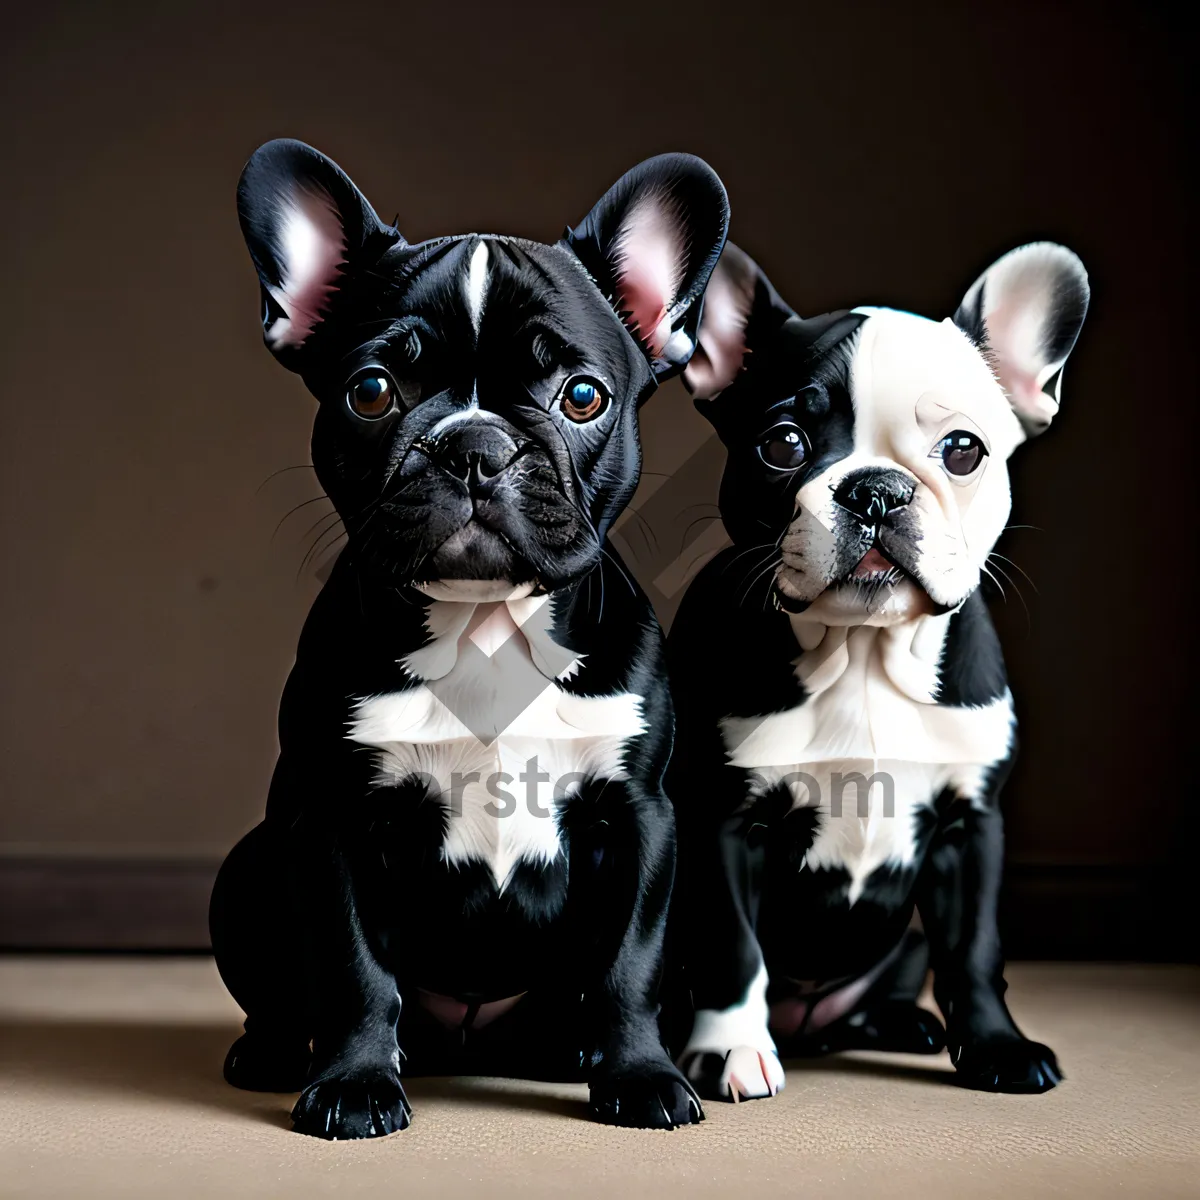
[740,306]
[651,243]
[306,225]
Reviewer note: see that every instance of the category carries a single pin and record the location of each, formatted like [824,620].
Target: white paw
[751,1074]
[742,1073]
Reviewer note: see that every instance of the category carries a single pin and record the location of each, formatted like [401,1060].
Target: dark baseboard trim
[1096,913]
[105,904]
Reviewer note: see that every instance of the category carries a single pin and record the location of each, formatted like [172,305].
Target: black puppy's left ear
[307,228]
[1026,310]
[651,244]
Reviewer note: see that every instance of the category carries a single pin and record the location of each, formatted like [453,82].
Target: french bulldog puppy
[467,852]
[844,726]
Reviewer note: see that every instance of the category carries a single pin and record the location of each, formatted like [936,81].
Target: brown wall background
[873,153]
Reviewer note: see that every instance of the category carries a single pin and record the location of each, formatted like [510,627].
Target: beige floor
[110,1087]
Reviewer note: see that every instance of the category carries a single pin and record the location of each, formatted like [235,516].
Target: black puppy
[844,724]
[467,852]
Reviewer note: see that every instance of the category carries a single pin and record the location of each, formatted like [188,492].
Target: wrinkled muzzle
[476,499]
[872,532]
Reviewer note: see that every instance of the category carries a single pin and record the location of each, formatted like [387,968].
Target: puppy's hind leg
[891,1019]
[888,1016]
[259,954]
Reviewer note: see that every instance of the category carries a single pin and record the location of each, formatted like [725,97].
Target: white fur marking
[859,722]
[742,1024]
[740,1035]
[476,286]
[482,656]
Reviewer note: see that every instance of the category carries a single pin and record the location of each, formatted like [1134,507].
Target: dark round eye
[371,395]
[961,452]
[785,448]
[583,398]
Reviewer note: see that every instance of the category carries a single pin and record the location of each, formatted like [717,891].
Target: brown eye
[961,452]
[583,399]
[371,395]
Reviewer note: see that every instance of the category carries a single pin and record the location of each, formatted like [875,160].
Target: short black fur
[336,919]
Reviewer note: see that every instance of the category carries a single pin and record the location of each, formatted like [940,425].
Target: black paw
[654,1096]
[353,1106]
[1009,1065]
[261,1064]
[897,1027]
[706,1071]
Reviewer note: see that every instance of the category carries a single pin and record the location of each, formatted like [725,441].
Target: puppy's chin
[476,591]
[858,602]
[874,597]
[476,565]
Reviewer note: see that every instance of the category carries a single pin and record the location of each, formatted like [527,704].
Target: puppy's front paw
[647,1096]
[264,1064]
[1007,1065]
[742,1073]
[357,1105]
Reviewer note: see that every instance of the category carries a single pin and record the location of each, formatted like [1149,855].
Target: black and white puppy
[467,853]
[844,723]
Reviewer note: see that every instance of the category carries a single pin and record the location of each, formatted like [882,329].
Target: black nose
[474,451]
[872,493]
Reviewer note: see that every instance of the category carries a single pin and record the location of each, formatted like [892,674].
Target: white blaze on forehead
[312,248]
[903,361]
[476,283]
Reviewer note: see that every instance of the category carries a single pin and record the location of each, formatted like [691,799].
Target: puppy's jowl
[844,723]
[477,432]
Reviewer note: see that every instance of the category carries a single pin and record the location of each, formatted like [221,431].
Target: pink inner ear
[1027,397]
[1015,334]
[641,296]
[722,339]
[312,252]
[722,336]
[649,256]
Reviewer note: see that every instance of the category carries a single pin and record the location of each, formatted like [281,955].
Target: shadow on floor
[938,1070]
[494,1093]
[181,1063]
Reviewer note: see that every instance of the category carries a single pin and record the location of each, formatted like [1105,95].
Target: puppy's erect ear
[651,244]
[1026,310]
[306,226]
[739,305]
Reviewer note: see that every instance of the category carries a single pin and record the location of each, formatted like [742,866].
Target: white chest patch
[869,749]
[492,734]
